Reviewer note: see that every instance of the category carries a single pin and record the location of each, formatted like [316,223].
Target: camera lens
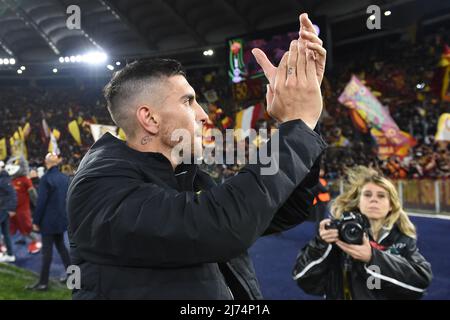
[352,233]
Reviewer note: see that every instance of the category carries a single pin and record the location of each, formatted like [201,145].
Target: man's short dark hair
[131,81]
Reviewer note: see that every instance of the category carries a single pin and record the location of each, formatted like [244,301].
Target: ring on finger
[290,70]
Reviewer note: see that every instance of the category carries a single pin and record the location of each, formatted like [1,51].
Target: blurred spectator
[50,218]
[8,203]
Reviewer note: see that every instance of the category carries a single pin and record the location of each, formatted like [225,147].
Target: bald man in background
[50,217]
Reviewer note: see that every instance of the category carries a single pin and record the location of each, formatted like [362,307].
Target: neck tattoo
[145,140]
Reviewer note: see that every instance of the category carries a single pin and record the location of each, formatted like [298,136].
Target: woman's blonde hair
[358,177]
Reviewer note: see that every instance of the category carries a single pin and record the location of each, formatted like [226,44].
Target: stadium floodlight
[66,59]
[95,57]
[22,68]
[5,61]
[19,71]
[387,13]
[110,67]
[78,58]
[55,70]
[209,52]
[1,61]
[12,61]
[117,63]
[61,59]
[72,59]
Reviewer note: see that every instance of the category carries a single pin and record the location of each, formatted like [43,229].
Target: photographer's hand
[330,235]
[358,252]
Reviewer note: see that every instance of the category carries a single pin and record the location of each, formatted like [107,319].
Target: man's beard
[192,143]
[197,147]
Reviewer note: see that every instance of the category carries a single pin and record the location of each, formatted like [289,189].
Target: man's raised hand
[295,72]
[296,93]
[307,34]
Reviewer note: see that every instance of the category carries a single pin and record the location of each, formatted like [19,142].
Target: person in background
[34,177]
[8,202]
[328,266]
[17,168]
[50,218]
[321,200]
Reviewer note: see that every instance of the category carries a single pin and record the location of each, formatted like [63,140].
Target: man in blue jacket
[8,202]
[50,217]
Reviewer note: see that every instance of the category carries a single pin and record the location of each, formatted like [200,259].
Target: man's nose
[200,114]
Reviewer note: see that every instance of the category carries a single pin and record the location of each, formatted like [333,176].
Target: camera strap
[346,286]
[346,273]
[347,263]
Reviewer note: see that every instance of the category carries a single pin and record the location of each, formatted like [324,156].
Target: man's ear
[148,119]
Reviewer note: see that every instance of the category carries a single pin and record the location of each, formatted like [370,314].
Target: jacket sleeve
[11,203]
[402,276]
[298,206]
[42,197]
[312,265]
[145,224]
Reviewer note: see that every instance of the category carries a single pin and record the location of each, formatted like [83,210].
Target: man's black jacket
[139,230]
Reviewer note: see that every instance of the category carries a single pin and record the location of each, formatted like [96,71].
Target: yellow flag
[21,136]
[3,152]
[18,147]
[238,126]
[443,129]
[24,149]
[122,135]
[26,130]
[53,145]
[75,131]
[445,84]
[56,133]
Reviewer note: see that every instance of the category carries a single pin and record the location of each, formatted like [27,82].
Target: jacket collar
[185,175]
[53,169]
[118,147]
[182,177]
[384,233]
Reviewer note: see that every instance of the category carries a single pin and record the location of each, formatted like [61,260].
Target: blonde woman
[387,265]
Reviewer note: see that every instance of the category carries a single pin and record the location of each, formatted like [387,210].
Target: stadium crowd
[400,75]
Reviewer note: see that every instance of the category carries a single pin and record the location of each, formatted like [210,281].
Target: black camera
[351,227]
